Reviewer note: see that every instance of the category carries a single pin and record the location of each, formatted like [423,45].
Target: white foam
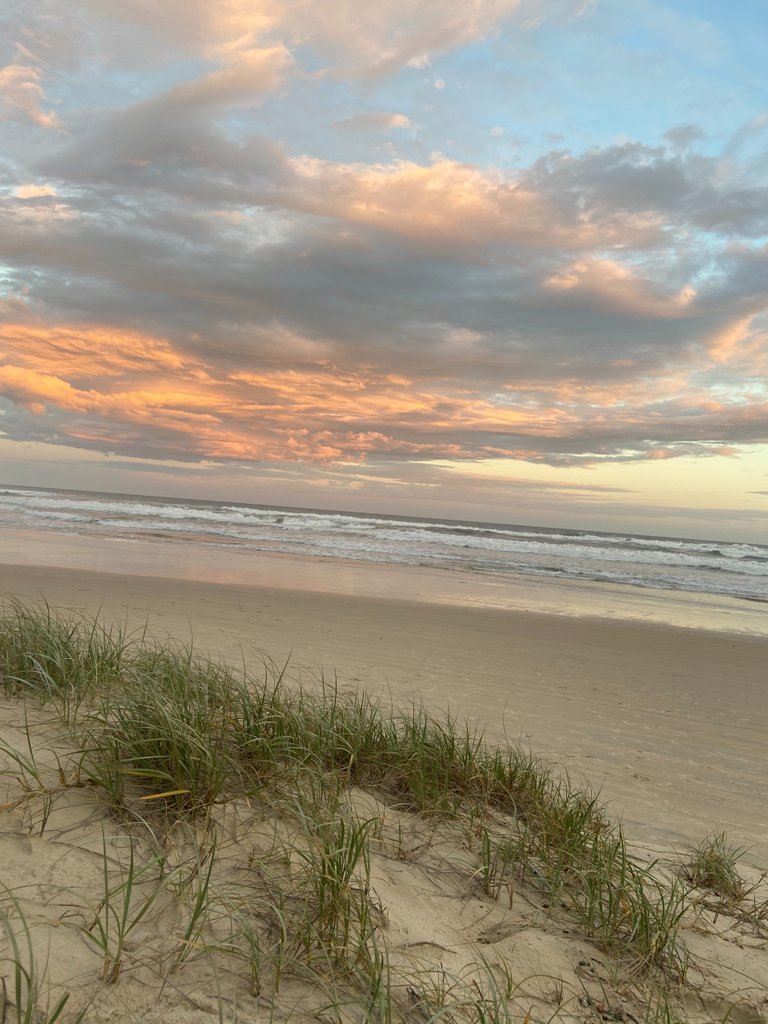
[671,563]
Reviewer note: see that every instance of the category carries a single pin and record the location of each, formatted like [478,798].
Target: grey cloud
[226,248]
[47,33]
[169,143]
[643,179]
[743,277]
[631,177]
[176,269]
[180,152]
[741,211]
[682,136]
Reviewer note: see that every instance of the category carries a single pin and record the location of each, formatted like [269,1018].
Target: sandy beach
[668,723]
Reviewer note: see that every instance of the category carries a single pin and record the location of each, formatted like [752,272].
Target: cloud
[607,284]
[440,269]
[208,27]
[376,39]
[87,352]
[683,136]
[250,74]
[32,389]
[448,202]
[362,39]
[147,395]
[201,268]
[22,96]
[33,191]
[635,180]
[625,197]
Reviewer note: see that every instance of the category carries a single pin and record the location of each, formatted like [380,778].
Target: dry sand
[669,722]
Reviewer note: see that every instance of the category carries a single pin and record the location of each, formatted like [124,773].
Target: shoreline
[668,723]
[458,587]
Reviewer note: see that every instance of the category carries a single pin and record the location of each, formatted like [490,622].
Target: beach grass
[24,1001]
[186,752]
[713,865]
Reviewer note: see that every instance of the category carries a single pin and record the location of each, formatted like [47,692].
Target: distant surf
[495,549]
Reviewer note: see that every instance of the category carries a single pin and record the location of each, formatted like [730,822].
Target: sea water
[490,550]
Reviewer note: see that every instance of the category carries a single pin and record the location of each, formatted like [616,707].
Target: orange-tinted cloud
[456,204]
[741,342]
[270,288]
[139,394]
[362,39]
[22,96]
[87,352]
[33,191]
[33,389]
[618,287]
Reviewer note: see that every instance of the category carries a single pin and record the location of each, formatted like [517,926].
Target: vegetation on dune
[182,751]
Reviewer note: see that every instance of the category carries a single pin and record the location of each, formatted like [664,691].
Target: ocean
[487,550]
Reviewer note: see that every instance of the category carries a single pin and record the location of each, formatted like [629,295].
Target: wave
[738,569]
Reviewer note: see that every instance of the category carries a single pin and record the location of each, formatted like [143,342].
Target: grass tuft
[712,865]
[59,658]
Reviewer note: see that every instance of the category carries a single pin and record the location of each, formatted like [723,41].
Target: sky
[503,260]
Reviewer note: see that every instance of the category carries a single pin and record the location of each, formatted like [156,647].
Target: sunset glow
[502,261]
